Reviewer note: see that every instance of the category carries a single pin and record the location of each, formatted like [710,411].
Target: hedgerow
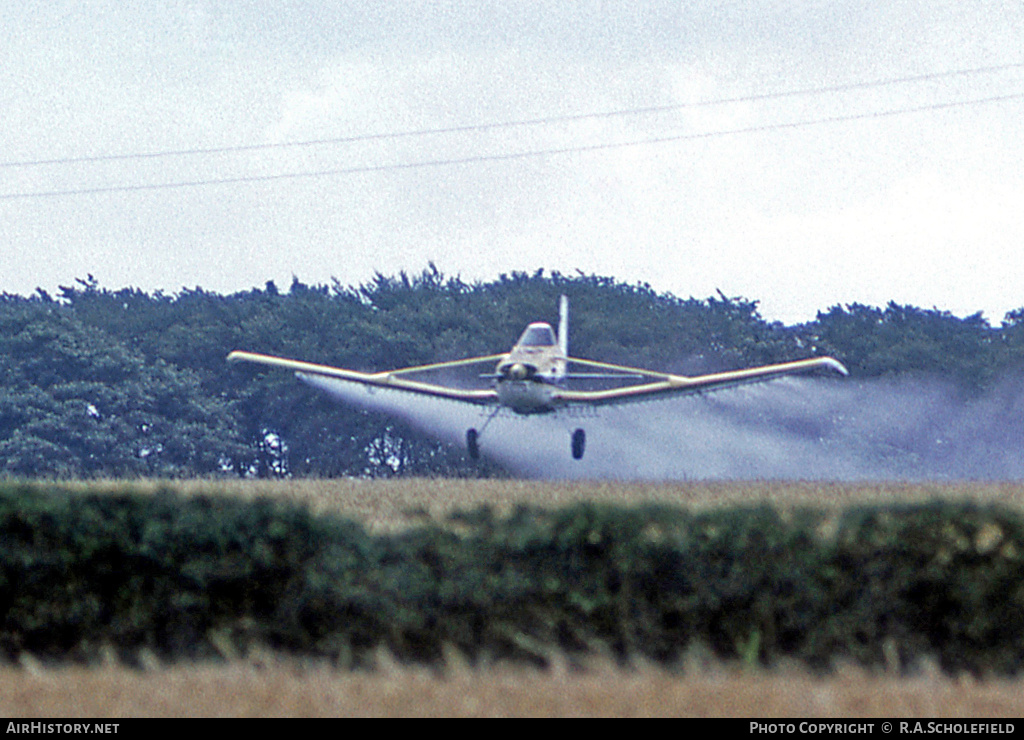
[84,576]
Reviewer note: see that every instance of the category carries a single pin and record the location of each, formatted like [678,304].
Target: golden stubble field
[271,685]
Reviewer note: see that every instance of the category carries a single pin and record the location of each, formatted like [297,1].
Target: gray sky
[923,207]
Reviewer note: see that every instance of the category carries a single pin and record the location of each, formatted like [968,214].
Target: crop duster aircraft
[534,378]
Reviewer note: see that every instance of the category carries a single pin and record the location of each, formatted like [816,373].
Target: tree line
[101,382]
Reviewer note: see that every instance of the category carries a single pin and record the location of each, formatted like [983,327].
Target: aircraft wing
[394,379]
[663,384]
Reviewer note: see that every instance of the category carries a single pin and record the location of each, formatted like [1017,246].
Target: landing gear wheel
[472,445]
[579,442]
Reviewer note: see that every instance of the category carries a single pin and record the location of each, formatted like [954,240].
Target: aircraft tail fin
[563,326]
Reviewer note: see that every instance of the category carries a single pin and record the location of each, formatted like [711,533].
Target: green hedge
[82,575]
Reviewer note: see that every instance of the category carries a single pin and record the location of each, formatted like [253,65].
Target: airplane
[533,378]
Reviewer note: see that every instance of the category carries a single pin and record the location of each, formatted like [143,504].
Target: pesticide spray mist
[793,428]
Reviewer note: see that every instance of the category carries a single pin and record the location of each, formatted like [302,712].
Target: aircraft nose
[517,371]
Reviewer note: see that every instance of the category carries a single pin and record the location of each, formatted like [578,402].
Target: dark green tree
[103,382]
[77,402]
[903,339]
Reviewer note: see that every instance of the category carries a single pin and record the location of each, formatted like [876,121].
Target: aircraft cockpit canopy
[538,335]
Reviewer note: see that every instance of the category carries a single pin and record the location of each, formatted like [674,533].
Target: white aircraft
[533,378]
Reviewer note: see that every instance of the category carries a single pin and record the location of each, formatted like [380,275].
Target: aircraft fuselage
[526,396]
[526,377]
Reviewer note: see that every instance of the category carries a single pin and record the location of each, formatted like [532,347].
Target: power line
[511,124]
[506,157]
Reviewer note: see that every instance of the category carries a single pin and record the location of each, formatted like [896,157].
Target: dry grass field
[385,505]
[276,686]
[284,690]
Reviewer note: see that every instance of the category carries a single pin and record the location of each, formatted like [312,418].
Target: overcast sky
[923,207]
